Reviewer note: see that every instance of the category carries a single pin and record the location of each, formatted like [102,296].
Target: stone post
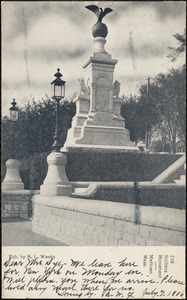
[12,180]
[56,182]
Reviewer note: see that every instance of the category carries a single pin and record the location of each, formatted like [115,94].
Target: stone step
[180,181]
[79,190]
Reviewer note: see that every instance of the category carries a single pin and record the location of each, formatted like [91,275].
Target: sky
[40,36]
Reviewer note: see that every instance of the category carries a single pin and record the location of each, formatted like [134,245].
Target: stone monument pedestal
[12,180]
[98,121]
[56,182]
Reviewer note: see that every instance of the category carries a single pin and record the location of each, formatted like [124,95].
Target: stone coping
[90,187]
[149,215]
[84,147]
[123,184]
[104,59]
[21,192]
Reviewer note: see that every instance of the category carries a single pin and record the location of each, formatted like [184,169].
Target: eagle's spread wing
[107,10]
[93,8]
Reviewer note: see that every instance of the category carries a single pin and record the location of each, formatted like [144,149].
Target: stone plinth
[12,180]
[104,135]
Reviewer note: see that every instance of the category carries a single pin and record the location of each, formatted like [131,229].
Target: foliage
[35,127]
[176,52]
[132,112]
[140,112]
[162,111]
[98,166]
[159,146]
[171,105]
[33,170]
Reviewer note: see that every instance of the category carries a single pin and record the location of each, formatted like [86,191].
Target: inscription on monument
[102,99]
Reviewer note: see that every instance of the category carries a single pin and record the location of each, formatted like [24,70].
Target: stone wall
[17,204]
[98,223]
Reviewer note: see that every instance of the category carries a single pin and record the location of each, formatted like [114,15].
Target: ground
[18,232]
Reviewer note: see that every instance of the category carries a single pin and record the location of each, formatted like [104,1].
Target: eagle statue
[99,29]
[100,13]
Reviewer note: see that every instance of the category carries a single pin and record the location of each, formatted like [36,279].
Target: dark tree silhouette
[177,51]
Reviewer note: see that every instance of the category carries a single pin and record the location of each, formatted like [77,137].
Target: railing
[170,170]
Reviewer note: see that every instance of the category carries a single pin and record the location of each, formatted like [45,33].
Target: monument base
[97,148]
[103,135]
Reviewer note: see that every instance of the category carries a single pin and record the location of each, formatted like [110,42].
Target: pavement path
[18,232]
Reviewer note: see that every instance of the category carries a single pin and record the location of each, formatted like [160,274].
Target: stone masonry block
[112,241]
[128,227]
[71,224]
[73,230]
[164,244]
[87,218]
[94,237]
[76,216]
[98,220]
[58,222]
[17,207]
[24,216]
[140,240]
[6,215]
[108,231]
[72,214]
[102,240]
[173,219]
[145,231]
[24,205]
[164,235]
[81,226]
[123,243]
[87,234]
[3,206]
[91,228]
[119,225]
[59,212]
[176,238]
[15,214]
[151,242]
[109,222]
[129,237]
[24,208]
[118,235]
[8,207]
[64,226]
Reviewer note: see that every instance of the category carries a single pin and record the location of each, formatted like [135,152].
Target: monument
[98,122]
